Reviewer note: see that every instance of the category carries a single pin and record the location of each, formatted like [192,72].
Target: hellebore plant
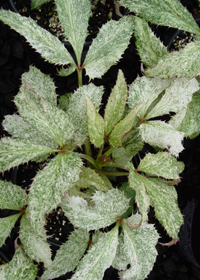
[108,231]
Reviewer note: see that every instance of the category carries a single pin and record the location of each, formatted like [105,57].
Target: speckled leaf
[124,126]
[34,246]
[14,152]
[49,46]
[116,103]
[161,165]
[149,47]
[99,257]
[6,225]
[95,124]
[77,109]
[139,249]
[166,12]
[74,16]
[163,135]
[37,3]
[133,144]
[90,178]
[120,156]
[20,267]
[171,101]
[69,254]
[145,90]
[11,196]
[108,206]
[184,63]
[113,38]
[64,72]
[50,185]
[120,261]
[44,116]
[19,128]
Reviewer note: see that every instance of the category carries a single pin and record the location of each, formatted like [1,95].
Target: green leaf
[116,103]
[95,124]
[6,225]
[149,47]
[108,206]
[99,257]
[43,116]
[139,249]
[63,101]
[145,90]
[69,254]
[120,156]
[167,12]
[113,37]
[161,165]
[14,152]
[34,245]
[183,63]
[74,16]
[90,178]
[64,72]
[133,143]
[120,261]
[171,101]
[123,127]
[49,187]
[20,267]
[49,46]
[37,3]
[162,135]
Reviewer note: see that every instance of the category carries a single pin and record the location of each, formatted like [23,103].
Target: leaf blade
[7,224]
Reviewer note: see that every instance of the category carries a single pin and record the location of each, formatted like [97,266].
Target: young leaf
[113,37]
[120,156]
[69,254]
[14,152]
[149,47]
[37,3]
[6,225]
[167,12]
[116,103]
[139,249]
[74,16]
[171,101]
[123,127]
[133,143]
[161,165]
[184,63]
[49,46]
[95,124]
[11,196]
[34,246]
[64,72]
[43,116]
[61,173]
[163,135]
[99,257]
[20,267]
[108,206]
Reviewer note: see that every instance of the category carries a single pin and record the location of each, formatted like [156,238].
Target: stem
[90,160]
[109,151]
[105,178]
[80,76]
[114,165]
[113,173]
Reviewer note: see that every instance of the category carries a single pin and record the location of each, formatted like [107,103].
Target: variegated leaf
[6,225]
[74,16]
[133,143]
[20,267]
[99,257]
[37,3]
[43,116]
[139,249]
[49,46]
[171,101]
[34,246]
[184,63]
[108,206]
[11,196]
[95,123]
[90,178]
[120,261]
[69,254]
[116,103]
[50,185]
[120,156]
[161,165]
[145,90]
[163,135]
[166,12]
[64,72]
[113,37]
[14,152]
[149,47]
[124,126]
